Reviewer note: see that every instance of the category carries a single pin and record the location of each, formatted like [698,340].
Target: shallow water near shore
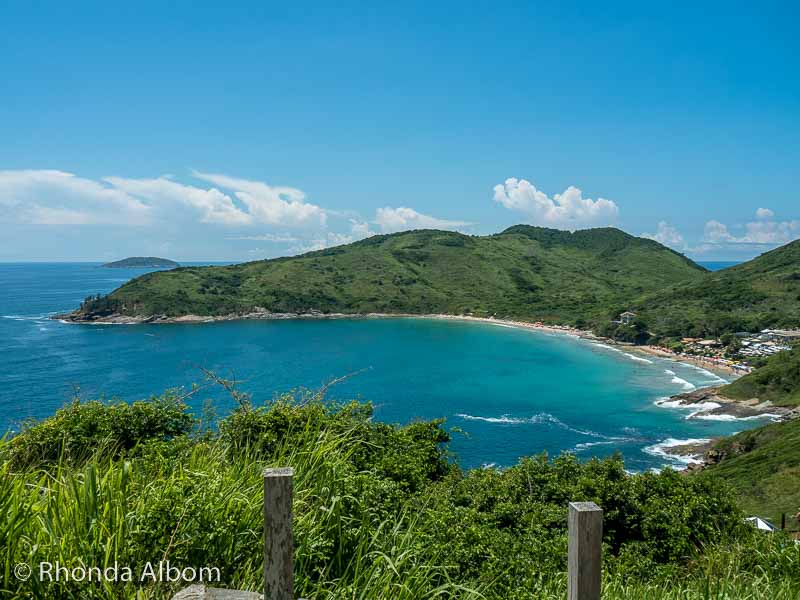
[512,392]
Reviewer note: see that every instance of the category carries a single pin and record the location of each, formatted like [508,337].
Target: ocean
[505,392]
[718,265]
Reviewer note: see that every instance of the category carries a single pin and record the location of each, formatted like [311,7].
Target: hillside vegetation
[761,293]
[777,381]
[763,467]
[524,272]
[380,511]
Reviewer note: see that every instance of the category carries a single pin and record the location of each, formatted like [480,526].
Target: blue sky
[236,131]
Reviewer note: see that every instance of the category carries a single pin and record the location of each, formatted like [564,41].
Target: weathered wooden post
[584,560]
[278,542]
[783,520]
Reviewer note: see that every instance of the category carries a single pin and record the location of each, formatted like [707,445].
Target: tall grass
[198,502]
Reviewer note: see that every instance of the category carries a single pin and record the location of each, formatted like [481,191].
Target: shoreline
[264,315]
[705,403]
[698,361]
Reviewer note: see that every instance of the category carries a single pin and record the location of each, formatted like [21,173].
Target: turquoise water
[718,265]
[513,392]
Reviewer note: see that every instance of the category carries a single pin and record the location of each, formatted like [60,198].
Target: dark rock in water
[739,409]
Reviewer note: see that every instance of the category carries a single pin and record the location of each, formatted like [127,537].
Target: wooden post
[783,520]
[584,560]
[278,542]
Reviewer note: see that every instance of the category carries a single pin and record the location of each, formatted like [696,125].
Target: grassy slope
[764,292]
[524,272]
[778,381]
[763,466]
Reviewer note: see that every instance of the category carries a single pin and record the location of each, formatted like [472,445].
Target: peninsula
[525,273]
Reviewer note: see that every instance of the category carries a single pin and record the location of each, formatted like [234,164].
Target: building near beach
[781,336]
[627,317]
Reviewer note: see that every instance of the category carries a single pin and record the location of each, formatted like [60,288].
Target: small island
[142,262]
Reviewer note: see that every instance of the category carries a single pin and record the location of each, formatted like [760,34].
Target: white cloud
[401,219]
[764,213]
[360,229]
[251,211]
[213,205]
[569,209]
[267,204]
[762,232]
[50,197]
[667,235]
[278,238]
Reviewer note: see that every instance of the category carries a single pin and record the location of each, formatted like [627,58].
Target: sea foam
[724,417]
[540,418]
[695,408]
[638,358]
[682,382]
[659,450]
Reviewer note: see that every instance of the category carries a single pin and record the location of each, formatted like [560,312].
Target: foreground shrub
[81,428]
[379,511]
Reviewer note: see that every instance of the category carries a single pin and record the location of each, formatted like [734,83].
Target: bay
[506,392]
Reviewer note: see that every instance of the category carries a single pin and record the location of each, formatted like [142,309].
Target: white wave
[696,408]
[699,408]
[40,318]
[659,450]
[505,419]
[539,418]
[585,445]
[724,417]
[668,372]
[605,346]
[667,402]
[638,358]
[686,385]
[713,376]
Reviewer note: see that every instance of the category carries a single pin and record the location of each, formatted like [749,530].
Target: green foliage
[633,333]
[758,294]
[532,273]
[81,428]
[525,272]
[777,381]
[379,511]
[763,466]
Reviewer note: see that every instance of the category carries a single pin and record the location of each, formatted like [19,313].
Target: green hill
[763,467]
[761,293]
[763,464]
[778,381]
[524,272]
